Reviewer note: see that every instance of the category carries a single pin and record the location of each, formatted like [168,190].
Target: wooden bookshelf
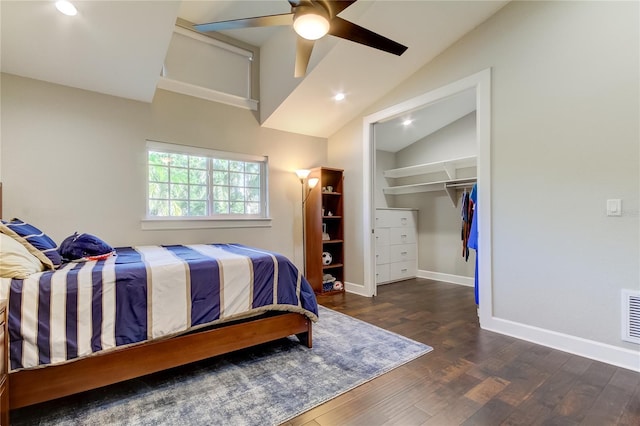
[324,211]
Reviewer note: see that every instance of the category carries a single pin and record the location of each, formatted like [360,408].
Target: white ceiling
[392,135]
[118,47]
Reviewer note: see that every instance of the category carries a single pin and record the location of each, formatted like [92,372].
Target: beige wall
[74,160]
[565,132]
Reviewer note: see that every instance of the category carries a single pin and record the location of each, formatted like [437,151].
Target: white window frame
[211,221]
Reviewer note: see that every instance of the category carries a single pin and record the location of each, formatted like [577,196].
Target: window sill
[154,224]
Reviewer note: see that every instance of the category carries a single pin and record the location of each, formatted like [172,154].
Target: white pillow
[15,259]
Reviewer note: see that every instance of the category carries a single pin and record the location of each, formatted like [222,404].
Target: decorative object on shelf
[303,174]
[330,214]
[337,285]
[328,282]
[326,258]
[325,234]
[329,188]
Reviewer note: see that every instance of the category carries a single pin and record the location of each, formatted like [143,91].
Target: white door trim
[481,82]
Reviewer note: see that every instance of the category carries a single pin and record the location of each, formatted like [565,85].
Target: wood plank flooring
[472,377]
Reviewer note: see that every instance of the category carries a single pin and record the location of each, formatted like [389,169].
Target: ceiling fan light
[311,26]
[66,7]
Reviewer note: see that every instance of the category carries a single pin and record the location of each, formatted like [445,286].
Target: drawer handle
[377,255]
[403,253]
[404,270]
[404,219]
[403,236]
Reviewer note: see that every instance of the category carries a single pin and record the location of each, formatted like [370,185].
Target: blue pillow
[37,242]
[83,247]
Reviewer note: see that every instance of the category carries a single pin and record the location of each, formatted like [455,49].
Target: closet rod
[456,185]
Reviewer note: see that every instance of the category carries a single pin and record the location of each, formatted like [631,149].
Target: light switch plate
[614,207]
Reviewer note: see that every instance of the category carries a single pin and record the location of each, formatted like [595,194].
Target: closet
[423,179]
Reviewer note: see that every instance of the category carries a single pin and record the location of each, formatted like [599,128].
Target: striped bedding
[145,293]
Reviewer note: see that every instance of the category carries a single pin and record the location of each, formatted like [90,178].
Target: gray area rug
[265,385]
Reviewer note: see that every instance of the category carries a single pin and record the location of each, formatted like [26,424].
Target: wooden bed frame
[27,387]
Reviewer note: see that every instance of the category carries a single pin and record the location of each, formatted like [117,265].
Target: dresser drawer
[382,254]
[402,270]
[382,219]
[402,219]
[382,237]
[382,273]
[402,236]
[402,252]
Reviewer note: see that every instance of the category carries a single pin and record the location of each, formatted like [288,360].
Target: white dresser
[396,244]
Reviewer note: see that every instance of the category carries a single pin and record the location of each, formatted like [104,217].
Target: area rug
[265,385]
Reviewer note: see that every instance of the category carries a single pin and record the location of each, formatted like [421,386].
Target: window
[188,182]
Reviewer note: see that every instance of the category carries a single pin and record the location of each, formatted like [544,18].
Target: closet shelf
[440,185]
[450,166]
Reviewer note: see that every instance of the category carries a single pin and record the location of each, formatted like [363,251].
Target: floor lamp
[303,174]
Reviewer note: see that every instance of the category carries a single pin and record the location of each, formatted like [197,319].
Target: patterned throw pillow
[37,242]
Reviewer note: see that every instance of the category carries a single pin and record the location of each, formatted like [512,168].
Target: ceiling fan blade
[338,6]
[303,54]
[258,21]
[350,31]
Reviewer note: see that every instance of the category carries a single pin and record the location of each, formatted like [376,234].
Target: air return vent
[631,316]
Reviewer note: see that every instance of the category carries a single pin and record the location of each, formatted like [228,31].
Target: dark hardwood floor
[472,377]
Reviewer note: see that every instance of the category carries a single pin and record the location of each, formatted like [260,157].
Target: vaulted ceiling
[118,48]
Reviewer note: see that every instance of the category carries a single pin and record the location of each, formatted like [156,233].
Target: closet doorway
[398,170]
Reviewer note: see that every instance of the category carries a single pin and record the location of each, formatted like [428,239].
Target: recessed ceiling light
[66,7]
[339,96]
[407,122]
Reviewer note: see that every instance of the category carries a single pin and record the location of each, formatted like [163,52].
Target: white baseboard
[356,289]
[447,278]
[614,355]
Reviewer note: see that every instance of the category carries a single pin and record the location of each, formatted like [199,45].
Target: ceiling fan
[311,20]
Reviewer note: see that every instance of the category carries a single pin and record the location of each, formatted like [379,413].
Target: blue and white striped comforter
[144,293]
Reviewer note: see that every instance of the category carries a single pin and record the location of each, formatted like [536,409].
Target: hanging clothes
[467,219]
[472,242]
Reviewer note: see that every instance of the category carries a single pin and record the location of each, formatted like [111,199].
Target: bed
[144,310]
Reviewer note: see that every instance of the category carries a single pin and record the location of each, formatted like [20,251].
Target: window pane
[179,192]
[197,192]
[158,208]
[236,166]
[158,174]
[179,208]
[158,190]
[237,208]
[253,194]
[252,167]
[220,193]
[236,179]
[198,208]
[198,162]
[198,177]
[220,178]
[160,158]
[221,207]
[179,175]
[253,208]
[179,160]
[237,194]
[252,181]
[220,164]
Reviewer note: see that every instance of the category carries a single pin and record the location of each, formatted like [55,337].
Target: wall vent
[631,316]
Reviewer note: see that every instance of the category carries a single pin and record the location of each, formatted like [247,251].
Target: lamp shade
[313,182]
[302,173]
